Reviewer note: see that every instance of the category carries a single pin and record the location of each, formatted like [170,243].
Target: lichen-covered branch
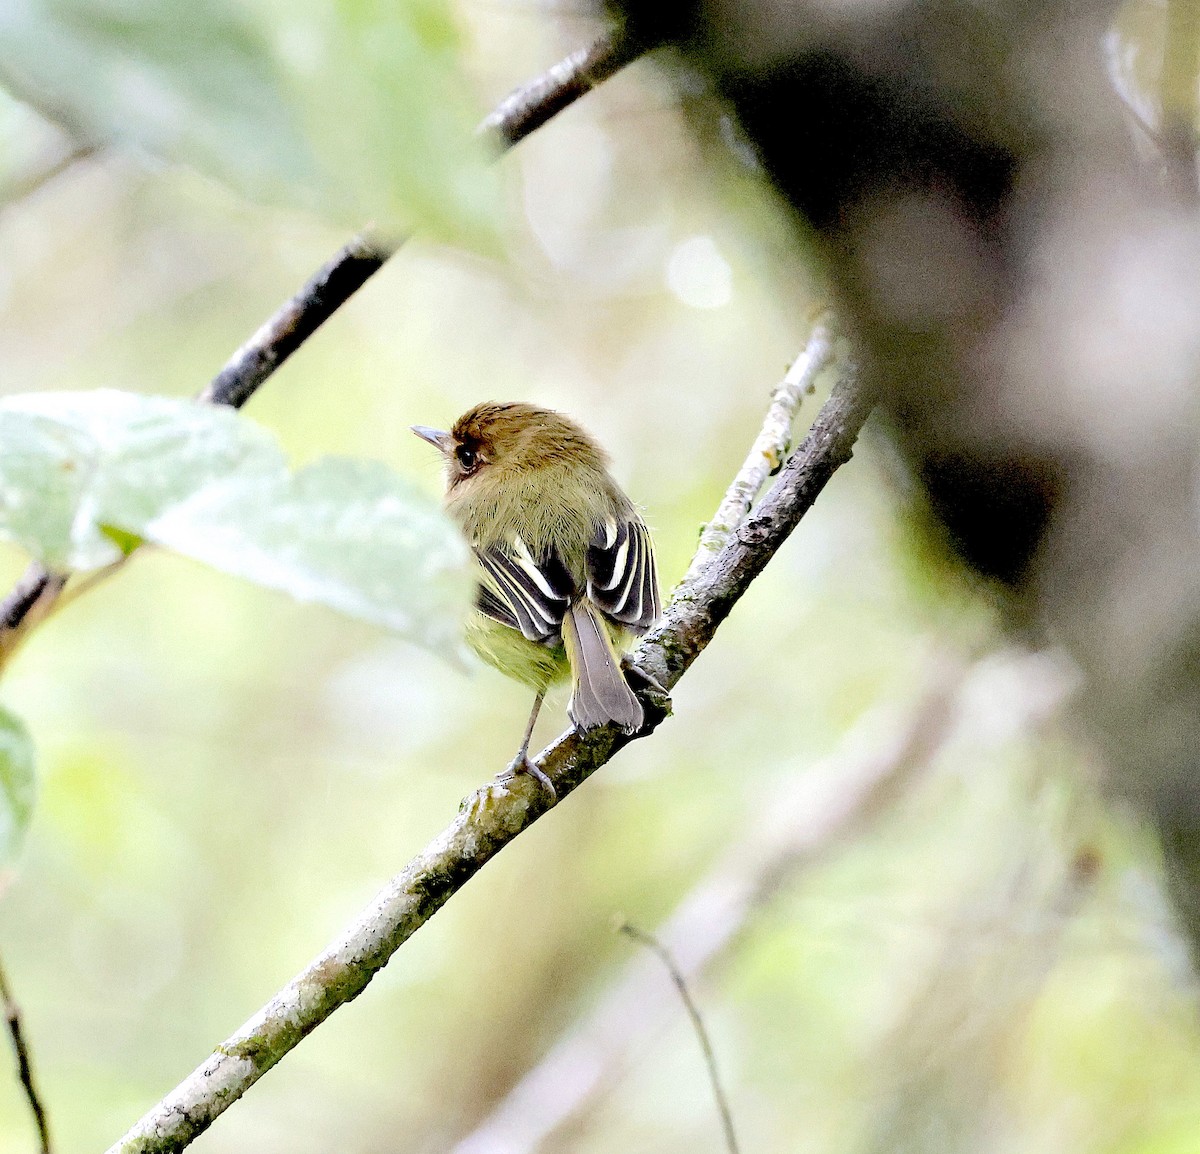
[12,1016]
[700,604]
[329,288]
[770,447]
[481,831]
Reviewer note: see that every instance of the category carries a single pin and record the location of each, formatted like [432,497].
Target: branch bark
[770,447]
[481,831]
[294,322]
[527,108]
[519,114]
[795,828]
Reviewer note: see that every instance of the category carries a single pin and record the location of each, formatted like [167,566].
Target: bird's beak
[438,438]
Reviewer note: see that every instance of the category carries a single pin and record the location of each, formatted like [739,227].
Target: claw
[478,804]
[522,763]
[647,679]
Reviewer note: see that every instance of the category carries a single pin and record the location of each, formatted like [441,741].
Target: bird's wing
[621,578]
[532,595]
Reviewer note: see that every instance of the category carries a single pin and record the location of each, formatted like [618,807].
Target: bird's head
[510,438]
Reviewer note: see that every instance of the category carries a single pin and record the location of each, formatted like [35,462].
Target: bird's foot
[484,800]
[637,673]
[523,763]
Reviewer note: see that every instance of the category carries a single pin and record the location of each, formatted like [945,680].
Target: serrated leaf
[18,786]
[84,474]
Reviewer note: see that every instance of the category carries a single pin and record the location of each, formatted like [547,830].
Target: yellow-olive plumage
[566,565]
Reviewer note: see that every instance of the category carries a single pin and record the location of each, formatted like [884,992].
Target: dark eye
[466,456]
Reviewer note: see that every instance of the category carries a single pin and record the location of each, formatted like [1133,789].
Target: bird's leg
[522,763]
[484,798]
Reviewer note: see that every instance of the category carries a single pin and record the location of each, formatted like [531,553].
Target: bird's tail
[599,692]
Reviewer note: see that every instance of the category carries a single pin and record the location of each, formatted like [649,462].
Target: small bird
[566,565]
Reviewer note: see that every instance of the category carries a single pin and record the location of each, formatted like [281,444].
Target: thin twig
[481,831]
[24,1064]
[770,447]
[329,288]
[792,830]
[710,1058]
[321,296]
[529,107]
[29,183]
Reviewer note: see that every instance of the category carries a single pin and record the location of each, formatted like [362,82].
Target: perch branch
[693,1012]
[12,1016]
[479,832]
[770,447]
[793,829]
[519,114]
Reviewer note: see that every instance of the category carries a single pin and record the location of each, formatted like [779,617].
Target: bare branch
[530,106]
[710,1058]
[29,602]
[329,288]
[12,1016]
[321,296]
[480,831]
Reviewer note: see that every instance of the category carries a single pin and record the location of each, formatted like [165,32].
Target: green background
[228,776]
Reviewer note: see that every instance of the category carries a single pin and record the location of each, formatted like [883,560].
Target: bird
[565,563]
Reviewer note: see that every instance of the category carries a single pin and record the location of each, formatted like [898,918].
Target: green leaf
[82,475]
[354,108]
[191,82]
[72,463]
[387,109]
[18,785]
[348,534]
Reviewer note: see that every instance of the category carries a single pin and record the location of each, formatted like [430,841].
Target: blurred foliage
[1153,52]
[355,109]
[228,776]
